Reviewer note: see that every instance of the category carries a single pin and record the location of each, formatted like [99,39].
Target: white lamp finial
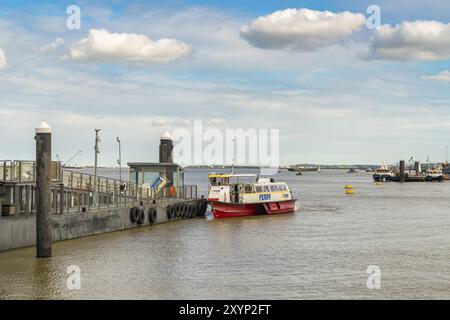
[43,128]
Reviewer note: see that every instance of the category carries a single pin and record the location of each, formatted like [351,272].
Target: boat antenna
[446,154]
[234,156]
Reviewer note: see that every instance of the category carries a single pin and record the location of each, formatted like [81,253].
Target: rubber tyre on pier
[141,216]
[202,206]
[178,209]
[152,215]
[170,212]
[183,210]
[134,214]
[188,210]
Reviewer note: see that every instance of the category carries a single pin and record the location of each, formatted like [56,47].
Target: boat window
[274,188]
[283,187]
[258,188]
[213,181]
[242,179]
[266,189]
[248,189]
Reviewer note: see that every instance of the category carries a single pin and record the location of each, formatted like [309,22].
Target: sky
[338,91]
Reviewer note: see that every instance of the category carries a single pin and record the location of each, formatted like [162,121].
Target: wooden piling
[402,171]
[43,191]
[417,167]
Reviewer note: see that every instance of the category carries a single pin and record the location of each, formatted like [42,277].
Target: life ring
[152,215]
[170,212]
[141,215]
[133,214]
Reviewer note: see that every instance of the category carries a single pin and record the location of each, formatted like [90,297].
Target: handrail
[72,191]
[25,171]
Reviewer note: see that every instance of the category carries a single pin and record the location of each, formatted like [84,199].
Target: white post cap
[43,128]
[166,136]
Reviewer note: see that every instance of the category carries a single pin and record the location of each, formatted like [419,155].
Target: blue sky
[330,103]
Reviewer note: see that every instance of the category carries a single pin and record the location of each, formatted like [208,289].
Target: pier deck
[76,209]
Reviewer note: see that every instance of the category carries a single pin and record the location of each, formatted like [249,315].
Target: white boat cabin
[246,188]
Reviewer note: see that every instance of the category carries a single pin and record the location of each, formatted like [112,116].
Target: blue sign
[157,182]
[264,197]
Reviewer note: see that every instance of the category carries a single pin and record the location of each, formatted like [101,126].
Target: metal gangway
[74,191]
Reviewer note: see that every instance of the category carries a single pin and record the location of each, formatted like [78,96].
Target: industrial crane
[73,157]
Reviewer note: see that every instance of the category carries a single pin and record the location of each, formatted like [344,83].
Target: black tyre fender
[152,215]
[180,209]
[176,209]
[170,212]
[204,207]
[141,215]
[189,210]
[184,210]
[198,208]
[133,214]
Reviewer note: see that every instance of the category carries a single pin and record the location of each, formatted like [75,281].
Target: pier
[82,204]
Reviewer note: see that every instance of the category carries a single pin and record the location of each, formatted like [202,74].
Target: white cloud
[49,47]
[107,46]
[2,59]
[443,76]
[411,40]
[301,29]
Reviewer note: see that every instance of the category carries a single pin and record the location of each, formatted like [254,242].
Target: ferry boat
[434,174]
[237,195]
[383,173]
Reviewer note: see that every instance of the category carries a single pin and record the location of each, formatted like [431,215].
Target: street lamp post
[97,151]
[119,161]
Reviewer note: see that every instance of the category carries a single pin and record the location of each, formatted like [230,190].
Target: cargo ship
[238,195]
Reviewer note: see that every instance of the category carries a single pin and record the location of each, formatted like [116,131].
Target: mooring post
[417,167]
[402,170]
[43,190]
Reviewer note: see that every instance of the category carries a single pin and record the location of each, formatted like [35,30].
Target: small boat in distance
[352,170]
[237,195]
[299,168]
[383,173]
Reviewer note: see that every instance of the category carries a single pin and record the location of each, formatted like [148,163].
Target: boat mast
[446,154]
[234,156]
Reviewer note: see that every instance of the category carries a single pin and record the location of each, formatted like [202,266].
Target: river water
[322,251]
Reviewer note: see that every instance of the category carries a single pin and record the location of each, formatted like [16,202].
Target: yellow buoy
[349,189]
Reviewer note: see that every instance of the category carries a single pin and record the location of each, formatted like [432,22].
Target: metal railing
[24,171]
[73,191]
[65,200]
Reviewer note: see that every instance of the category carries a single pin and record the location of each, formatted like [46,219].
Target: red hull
[228,210]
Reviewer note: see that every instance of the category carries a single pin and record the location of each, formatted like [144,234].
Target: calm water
[321,251]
